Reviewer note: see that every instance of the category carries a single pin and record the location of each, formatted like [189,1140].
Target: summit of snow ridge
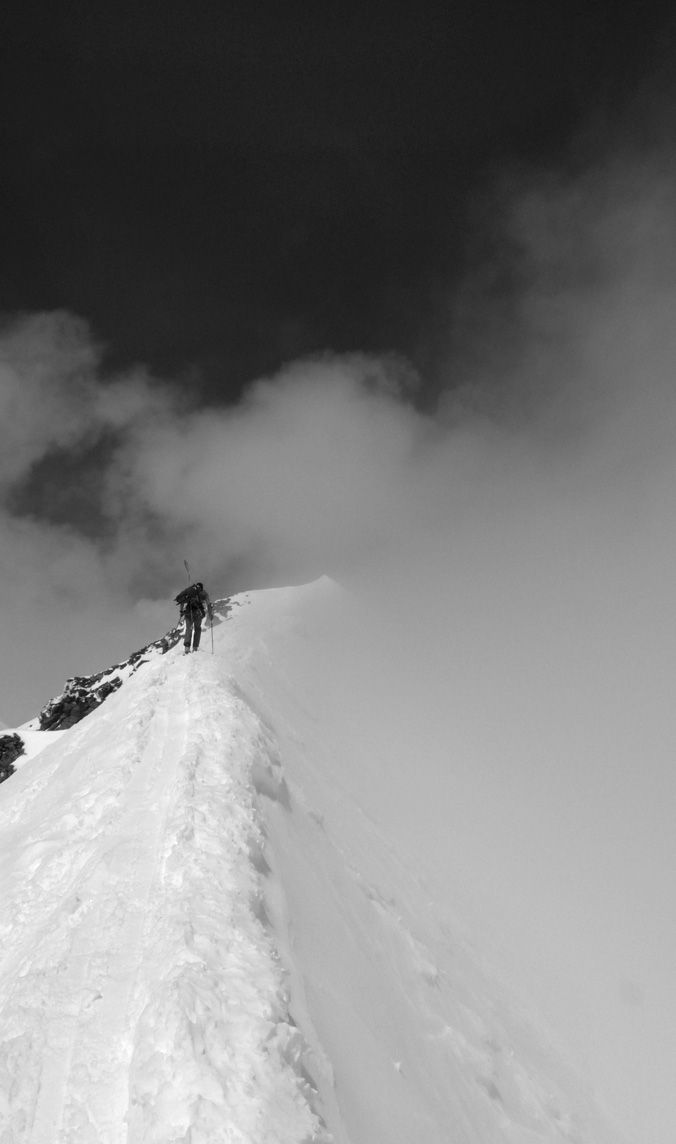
[83,694]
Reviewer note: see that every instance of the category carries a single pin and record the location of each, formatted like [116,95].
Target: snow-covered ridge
[204,939]
[141,997]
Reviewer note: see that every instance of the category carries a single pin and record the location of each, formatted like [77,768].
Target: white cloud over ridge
[515,548]
[329,462]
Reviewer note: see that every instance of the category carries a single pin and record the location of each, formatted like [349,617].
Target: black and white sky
[218,188]
[193,197]
[385,292]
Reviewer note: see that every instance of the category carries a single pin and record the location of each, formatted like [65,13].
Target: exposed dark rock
[80,696]
[11,746]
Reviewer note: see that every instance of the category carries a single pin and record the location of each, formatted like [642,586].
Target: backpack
[190,598]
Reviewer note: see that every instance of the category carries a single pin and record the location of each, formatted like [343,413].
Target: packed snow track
[140,995]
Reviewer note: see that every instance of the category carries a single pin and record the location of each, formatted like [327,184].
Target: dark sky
[220,187]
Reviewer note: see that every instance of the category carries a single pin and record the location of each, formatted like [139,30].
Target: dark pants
[193,629]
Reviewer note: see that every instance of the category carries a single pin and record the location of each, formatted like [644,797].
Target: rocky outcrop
[11,746]
[78,698]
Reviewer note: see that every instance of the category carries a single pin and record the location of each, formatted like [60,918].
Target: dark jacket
[200,604]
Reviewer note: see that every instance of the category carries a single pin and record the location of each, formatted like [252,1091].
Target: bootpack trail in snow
[203,938]
[148,962]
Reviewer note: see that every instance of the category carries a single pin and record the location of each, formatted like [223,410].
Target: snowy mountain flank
[204,939]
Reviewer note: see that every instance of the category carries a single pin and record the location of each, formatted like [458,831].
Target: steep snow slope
[203,938]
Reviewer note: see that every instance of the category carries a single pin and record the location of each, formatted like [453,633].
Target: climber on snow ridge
[195,604]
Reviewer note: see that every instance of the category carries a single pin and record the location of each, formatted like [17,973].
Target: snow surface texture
[204,940]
